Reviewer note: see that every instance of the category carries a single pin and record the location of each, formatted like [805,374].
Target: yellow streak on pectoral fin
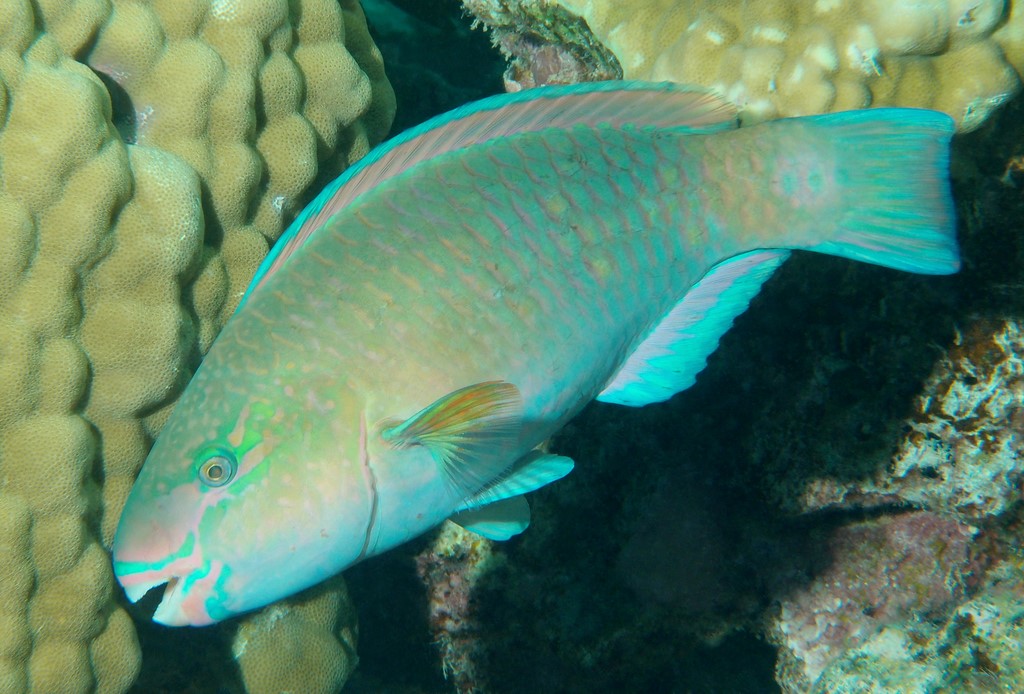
[467,431]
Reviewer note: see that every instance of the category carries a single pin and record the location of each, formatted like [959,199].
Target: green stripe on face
[219,596]
[127,568]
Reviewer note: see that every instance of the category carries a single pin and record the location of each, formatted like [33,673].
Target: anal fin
[672,355]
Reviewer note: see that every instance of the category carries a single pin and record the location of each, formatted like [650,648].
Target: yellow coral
[122,251]
[791,57]
[303,644]
[65,177]
[255,105]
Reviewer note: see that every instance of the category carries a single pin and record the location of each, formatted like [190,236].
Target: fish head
[247,496]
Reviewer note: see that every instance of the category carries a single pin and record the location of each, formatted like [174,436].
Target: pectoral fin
[498,521]
[531,472]
[500,511]
[466,431]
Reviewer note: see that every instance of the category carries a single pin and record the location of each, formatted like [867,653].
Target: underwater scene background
[835,505]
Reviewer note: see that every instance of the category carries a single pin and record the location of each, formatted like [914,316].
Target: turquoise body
[602,257]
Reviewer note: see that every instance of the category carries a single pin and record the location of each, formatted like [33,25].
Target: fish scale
[547,277]
[448,304]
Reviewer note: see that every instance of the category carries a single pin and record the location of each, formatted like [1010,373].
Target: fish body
[448,305]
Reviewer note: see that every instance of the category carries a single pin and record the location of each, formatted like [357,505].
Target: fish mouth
[171,610]
[135,590]
[182,598]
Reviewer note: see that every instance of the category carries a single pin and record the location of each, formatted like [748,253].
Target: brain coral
[69,268]
[778,58]
[149,154]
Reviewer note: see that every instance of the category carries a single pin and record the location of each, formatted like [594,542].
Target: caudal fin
[895,178]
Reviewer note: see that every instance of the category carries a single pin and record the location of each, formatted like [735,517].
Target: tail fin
[895,173]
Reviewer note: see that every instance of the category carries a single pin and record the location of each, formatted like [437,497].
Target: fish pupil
[217,470]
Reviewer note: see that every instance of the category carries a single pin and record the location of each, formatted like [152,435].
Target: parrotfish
[445,306]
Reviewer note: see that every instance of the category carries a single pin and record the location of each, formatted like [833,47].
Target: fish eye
[218,468]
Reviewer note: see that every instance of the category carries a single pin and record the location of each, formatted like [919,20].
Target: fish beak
[169,611]
[155,545]
[183,601]
[136,590]
[186,576]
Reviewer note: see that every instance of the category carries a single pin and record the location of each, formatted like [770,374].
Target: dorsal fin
[672,355]
[612,104]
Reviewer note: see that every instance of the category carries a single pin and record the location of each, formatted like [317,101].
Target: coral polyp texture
[777,58]
[257,105]
[149,154]
[304,644]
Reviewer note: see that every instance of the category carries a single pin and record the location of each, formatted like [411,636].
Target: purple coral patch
[883,571]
